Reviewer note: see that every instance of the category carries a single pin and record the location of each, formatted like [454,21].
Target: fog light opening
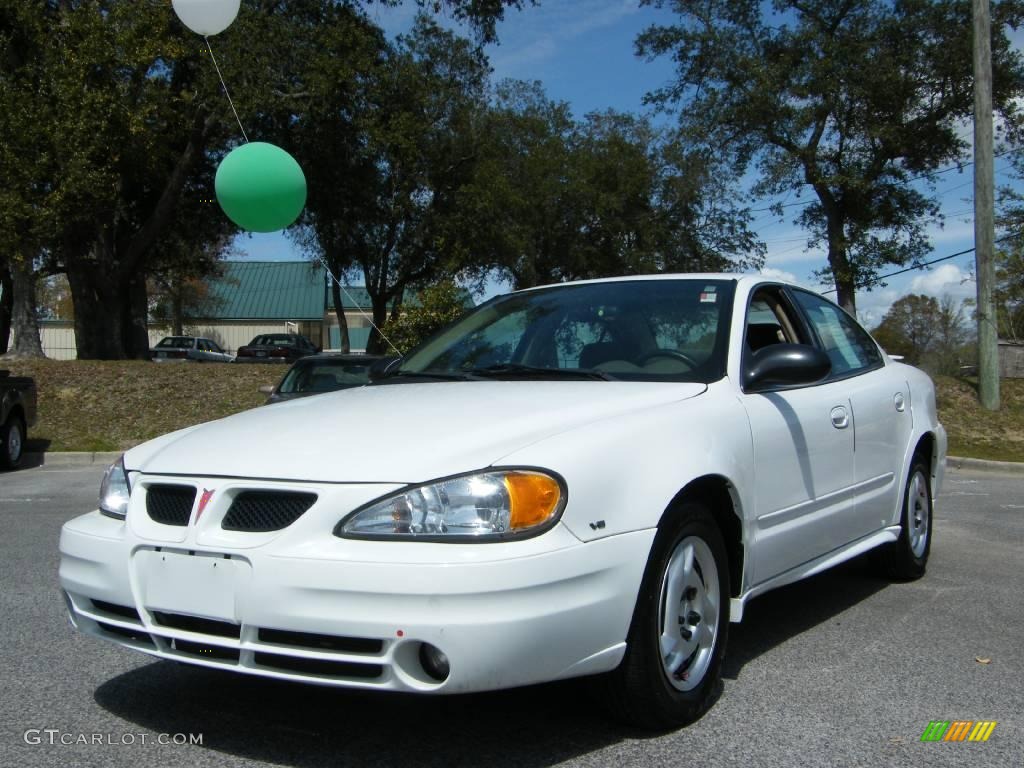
[434,662]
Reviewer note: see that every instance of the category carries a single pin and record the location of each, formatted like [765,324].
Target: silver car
[195,348]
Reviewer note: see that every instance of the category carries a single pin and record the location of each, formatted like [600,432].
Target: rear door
[880,400]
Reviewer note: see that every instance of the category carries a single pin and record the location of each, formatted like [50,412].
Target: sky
[582,51]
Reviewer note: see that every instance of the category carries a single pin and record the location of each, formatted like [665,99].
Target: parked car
[590,478]
[194,348]
[17,414]
[317,374]
[276,348]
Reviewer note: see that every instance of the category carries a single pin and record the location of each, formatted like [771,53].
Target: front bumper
[324,610]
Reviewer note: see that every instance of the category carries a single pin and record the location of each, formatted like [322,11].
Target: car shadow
[782,614]
[300,725]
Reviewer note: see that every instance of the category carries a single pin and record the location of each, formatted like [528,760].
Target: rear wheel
[670,673]
[12,442]
[907,558]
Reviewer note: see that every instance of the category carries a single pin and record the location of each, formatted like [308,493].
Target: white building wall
[58,337]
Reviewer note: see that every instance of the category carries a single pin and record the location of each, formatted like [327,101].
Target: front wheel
[12,442]
[907,558]
[670,673]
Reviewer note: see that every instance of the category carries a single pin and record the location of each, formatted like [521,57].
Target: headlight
[114,491]
[484,506]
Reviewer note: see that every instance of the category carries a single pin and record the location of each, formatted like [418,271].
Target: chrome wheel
[918,508]
[688,616]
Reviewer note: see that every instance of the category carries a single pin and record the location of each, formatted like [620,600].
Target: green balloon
[260,187]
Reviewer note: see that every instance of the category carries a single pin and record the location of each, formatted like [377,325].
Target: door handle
[840,417]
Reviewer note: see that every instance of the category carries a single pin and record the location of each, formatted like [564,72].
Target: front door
[803,448]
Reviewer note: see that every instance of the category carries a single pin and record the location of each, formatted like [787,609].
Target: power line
[880,278]
[957,167]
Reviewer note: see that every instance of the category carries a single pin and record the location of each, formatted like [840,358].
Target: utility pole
[984,217]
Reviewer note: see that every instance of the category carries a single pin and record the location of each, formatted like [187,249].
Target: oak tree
[849,100]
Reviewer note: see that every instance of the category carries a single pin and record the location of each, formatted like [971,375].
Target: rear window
[177,342]
[273,340]
[325,375]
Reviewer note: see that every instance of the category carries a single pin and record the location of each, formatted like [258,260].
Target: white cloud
[872,305]
[778,274]
[782,274]
[946,279]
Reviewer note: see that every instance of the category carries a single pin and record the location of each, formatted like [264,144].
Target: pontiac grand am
[585,479]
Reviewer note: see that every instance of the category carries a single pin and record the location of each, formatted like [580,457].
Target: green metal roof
[268,290]
[352,297]
[283,290]
[356,296]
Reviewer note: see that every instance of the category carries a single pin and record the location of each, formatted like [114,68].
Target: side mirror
[383,367]
[267,389]
[785,365]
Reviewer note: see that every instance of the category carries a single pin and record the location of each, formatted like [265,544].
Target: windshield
[637,330]
[325,376]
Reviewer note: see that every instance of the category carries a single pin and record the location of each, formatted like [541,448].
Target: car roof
[739,279]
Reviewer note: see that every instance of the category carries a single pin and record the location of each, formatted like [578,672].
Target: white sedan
[590,478]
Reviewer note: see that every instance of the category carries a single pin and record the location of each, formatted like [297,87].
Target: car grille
[259,511]
[170,504]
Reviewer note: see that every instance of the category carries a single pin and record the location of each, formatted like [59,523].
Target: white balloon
[206,17]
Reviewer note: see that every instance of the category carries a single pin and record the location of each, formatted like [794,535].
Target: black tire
[12,442]
[640,691]
[907,558]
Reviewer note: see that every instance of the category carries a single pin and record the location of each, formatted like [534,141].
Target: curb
[984,465]
[71,458]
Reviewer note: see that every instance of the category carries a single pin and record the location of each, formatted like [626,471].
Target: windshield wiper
[515,370]
[432,375]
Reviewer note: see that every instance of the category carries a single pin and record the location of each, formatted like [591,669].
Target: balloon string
[355,304]
[224,85]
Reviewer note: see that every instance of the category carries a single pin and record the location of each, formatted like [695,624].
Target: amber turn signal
[534,498]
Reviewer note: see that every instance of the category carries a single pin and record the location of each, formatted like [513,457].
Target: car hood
[400,433]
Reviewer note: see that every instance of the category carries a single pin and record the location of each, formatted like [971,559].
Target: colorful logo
[203,501]
[958,730]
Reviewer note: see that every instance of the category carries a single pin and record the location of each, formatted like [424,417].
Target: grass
[87,405]
[92,405]
[977,433]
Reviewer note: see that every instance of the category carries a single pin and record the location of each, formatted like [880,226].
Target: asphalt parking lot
[844,669]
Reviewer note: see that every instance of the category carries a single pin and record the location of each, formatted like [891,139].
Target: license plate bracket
[199,584]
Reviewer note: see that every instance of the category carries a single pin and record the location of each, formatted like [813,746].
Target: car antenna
[356,304]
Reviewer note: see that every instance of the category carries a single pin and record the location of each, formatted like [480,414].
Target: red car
[276,348]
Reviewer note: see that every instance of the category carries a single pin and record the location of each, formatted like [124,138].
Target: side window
[771,320]
[847,344]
